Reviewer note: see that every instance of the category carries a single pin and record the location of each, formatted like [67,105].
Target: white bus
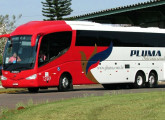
[137,57]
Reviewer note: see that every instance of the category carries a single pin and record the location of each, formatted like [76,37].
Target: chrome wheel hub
[151,80]
[139,80]
[65,82]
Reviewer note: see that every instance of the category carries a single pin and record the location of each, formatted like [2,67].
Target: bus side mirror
[5,35]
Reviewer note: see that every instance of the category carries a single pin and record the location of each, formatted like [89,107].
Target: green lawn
[141,106]
[11,90]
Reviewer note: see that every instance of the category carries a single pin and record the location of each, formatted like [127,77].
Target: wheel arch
[154,71]
[67,74]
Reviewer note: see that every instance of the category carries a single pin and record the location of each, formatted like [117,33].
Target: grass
[141,106]
[11,90]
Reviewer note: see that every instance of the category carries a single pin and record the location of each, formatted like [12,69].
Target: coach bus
[43,54]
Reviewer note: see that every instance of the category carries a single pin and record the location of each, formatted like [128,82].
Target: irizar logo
[150,53]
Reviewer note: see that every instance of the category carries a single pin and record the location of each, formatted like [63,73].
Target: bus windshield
[19,54]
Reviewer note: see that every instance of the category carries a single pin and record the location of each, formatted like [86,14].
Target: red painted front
[18,80]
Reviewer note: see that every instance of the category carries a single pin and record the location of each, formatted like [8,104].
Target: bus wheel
[152,81]
[33,90]
[139,80]
[65,83]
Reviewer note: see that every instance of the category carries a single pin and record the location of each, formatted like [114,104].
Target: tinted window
[53,46]
[87,38]
[123,39]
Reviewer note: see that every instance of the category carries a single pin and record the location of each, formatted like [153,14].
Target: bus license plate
[15,84]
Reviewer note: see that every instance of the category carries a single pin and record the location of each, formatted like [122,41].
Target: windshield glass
[19,54]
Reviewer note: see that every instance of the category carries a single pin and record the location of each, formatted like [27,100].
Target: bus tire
[65,83]
[152,80]
[33,90]
[139,80]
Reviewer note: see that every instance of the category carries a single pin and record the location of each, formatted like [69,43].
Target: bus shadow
[54,90]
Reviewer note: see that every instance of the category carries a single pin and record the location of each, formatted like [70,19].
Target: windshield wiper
[16,67]
[7,66]
[22,68]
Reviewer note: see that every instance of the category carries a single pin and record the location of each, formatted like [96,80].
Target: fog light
[3,78]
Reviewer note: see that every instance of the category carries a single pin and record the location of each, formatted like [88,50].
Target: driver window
[53,46]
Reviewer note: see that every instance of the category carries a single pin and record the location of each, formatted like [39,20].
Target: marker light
[32,77]
[3,78]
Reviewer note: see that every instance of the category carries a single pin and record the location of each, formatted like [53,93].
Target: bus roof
[35,27]
[86,25]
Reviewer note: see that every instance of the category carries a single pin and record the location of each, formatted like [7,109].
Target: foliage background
[7,25]
[56,9]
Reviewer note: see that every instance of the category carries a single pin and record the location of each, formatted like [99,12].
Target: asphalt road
[10,100]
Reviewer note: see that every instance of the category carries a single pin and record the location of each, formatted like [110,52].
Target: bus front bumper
[19,83]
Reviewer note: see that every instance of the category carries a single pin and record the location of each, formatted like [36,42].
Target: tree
[56,9]
[7,25]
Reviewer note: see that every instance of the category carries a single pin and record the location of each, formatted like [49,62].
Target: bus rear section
[123,56]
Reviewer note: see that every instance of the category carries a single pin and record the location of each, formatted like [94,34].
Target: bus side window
[53,46]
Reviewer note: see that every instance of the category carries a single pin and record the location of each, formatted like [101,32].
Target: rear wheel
[152,81]
[139,80]
[65,83]
[33,90]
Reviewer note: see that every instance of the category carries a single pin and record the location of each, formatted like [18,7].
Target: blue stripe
[101,56]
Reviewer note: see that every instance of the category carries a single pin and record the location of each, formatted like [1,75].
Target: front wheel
[139,80]
[152,81]
[65,83]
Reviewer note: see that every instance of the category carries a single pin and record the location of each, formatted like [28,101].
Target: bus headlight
[32,77]
[3,78]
